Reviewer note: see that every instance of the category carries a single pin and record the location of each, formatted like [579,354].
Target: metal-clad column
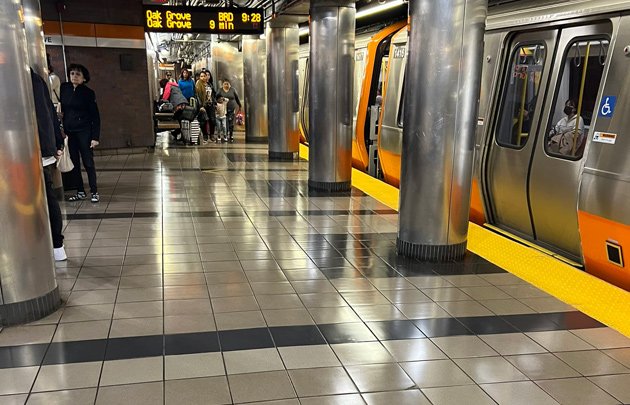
[33,26]
[28,290]
[35,37]
[441,98]
[255,91]
[283,43]
[330,94]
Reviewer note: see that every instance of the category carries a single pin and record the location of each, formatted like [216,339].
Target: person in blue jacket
[186,84]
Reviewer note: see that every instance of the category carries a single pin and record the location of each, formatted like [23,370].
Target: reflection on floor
[212,276]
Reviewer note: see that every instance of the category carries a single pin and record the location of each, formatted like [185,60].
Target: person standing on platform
[82,124]
[210,79]
[205,95]
[51,146]
[221,118]
[163,81]
[230,94]
[55,83]
[186,84]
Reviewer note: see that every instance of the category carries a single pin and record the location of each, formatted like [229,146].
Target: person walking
[228,92]
[82,125]
[51,147]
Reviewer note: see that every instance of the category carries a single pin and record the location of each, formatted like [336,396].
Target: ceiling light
[367,11]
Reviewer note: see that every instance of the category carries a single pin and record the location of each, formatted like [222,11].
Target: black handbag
[188,113]
[166,107]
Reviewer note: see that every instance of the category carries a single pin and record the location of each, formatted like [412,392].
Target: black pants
[79,145]
[202,117]
[230,123]
[54,212]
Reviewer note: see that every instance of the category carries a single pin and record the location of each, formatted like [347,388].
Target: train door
[304,105]
[371,95]
[535,159]
[525,76]
[557,161]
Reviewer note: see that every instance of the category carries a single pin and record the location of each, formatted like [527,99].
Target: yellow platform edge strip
[596,298]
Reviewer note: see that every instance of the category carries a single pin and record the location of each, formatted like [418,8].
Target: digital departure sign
[208,20]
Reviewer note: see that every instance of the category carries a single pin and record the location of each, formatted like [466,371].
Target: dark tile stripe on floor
[282,336]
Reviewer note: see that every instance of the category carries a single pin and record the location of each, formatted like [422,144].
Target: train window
[521,92]
[575,98]
[360,63]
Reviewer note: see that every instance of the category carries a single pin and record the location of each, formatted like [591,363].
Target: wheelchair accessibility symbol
[607,106]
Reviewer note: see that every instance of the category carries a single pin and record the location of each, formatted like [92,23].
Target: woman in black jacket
[82,124]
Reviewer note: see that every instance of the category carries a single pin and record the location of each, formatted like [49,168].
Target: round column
[255,91]
[33,26]
[330,94]
[28,290]
[441,98]
[283,89]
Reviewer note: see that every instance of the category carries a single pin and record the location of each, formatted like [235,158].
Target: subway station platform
[212,276]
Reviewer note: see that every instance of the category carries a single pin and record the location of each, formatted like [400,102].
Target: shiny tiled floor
[212,276]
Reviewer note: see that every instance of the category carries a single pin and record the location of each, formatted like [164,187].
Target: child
[221,118]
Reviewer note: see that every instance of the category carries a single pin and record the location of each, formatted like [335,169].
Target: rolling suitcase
[195,132]
[185,125]
[191,131]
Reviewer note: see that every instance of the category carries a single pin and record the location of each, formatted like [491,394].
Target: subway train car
[561,184]
[371,55]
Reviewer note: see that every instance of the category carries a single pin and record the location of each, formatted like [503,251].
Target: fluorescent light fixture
[303,31]
[364,12]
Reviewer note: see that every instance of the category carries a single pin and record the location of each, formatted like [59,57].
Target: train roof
[531,12]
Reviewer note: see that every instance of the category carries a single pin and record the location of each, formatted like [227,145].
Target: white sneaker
[60,254]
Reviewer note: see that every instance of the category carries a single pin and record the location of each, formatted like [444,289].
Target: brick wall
[122,96]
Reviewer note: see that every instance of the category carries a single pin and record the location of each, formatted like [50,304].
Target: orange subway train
[552,148]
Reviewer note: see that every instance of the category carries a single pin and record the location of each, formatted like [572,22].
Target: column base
[31,310]
[282,155]
[431,253]
[328,186]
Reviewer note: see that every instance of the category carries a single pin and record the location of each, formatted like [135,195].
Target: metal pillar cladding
[37,59]
[28,290]
[255,91]
[441,98]
[330,96]
[283,44]
[35,37]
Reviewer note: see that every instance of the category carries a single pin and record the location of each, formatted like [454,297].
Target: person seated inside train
[567,136]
